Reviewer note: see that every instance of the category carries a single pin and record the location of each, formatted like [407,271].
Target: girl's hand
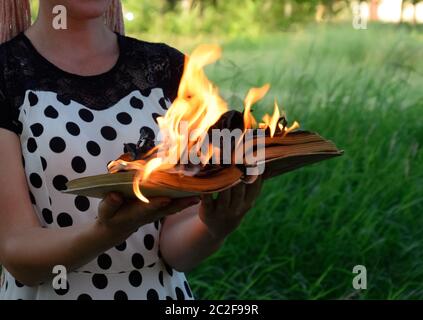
[223,215]
[119,218]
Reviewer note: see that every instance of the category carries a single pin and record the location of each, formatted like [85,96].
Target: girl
[69,99]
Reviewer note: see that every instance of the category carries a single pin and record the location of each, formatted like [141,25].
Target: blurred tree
[327,9]
[403,4]
[415,2]
[402,11]
[374,4]
[234,17]
[171,4]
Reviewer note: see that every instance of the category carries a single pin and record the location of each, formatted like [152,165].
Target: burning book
[204,147]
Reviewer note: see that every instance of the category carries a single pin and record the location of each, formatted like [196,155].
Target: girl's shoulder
[15,58]
[153,48]
[13,50]
[141,65]
[158,62]
[153,53]
[16,67]
[17,50]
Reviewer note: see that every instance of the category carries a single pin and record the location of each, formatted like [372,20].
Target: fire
[272,122]
[254,95]
[198,107]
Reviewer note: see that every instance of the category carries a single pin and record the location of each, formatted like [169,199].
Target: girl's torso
[71,126]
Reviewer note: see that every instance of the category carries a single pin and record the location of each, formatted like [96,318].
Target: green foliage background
[250,17]
[362,89]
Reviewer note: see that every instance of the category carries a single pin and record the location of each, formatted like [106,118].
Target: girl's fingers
[208,203]
[172,207]
[223,201]
[139,213]
[177,205]
[238,197]
[136,211]
[155,203]
[109,205]
[253,190]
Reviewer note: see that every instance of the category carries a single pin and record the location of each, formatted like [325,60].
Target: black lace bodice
[141,66]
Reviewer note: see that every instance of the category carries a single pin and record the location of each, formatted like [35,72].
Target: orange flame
[254,95]
[198,106]
[272,122]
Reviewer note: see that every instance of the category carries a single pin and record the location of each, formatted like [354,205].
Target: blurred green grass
[309,228]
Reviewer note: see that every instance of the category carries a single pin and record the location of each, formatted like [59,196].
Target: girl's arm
[194,234]
[29,252]
[185,240]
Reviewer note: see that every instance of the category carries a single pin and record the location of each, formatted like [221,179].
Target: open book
[282,154]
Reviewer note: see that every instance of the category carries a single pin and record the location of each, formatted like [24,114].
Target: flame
[272,122]
[294,126]
[254,95]
[198,106]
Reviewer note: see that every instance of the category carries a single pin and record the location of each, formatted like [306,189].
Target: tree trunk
[172,4]
[415,12]
[186,5]
[374,4]
[402,11]
[287,9]
[320,12]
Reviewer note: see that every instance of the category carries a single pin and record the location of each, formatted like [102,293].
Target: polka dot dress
[70,127]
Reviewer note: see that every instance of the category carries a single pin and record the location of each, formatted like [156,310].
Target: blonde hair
[15,17]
